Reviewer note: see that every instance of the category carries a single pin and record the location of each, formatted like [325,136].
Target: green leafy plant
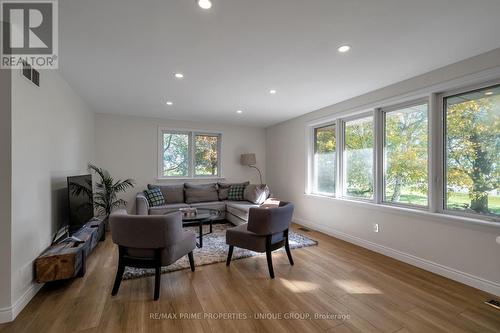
[107,189]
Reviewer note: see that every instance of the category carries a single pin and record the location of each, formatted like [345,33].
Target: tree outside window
[405,156]
[190,154]
[473,152]
[206,155]
[175,155]
[325,145]
[359,158]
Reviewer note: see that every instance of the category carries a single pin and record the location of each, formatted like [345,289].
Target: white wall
[462,251]
[52,137]
[5,192]
[127,147]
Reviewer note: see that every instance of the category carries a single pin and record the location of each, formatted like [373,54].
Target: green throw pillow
[155,197]
[236,192]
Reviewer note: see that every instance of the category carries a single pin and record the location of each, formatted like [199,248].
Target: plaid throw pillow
[236,192]
[155,197]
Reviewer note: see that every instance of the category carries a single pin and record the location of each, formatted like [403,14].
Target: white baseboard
[5,315]
[10,313]
[451,273]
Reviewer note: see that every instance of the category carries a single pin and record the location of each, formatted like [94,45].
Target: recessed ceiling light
[344,48]
[179,75]
[170,103]
[239,111]
[205,4]
[272,91]
[488,93]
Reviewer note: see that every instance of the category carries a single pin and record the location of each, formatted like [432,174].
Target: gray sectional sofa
[204,196]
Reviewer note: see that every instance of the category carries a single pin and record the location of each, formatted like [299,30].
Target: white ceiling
[120,55]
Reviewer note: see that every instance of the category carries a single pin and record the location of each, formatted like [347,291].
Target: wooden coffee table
[203,216]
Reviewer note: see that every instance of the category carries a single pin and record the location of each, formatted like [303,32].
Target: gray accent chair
[149,242]
[266,231]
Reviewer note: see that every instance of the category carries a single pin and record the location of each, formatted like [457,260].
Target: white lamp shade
[248,159]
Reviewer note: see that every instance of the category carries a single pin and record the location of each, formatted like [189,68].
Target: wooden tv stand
[68,260]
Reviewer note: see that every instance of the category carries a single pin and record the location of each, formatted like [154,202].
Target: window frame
[441,100]
[313,179]
[191,153]
[382,150]
[434,96]
[344,121]
[219,150]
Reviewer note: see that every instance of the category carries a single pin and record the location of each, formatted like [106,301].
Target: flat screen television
[80,200]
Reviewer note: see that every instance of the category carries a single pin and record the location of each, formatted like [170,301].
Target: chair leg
[119,273]
[269,257]
[191,260]
[229,255]
[200,226]
[287,248]
[157,274]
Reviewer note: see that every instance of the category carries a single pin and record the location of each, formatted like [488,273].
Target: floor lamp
[250,160]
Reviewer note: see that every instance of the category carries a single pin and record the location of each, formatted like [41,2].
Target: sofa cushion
[169,208]
[200,193]
[223,192]
[155,197]
[220,205]
[236,192]
[224,189]
[171,193]
[200,186]
[239,208]
[256,194]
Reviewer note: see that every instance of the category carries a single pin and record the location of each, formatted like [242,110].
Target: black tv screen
[81,203]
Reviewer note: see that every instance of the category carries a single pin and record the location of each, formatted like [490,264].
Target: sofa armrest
[141,204]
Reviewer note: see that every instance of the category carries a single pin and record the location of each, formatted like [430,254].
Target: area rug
[214,250]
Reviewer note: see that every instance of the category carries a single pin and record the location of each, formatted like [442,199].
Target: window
[206,147]
[189,154]
[358,154]
[439,153]
[325,145]
[405,155]
[472,152]
[175,155]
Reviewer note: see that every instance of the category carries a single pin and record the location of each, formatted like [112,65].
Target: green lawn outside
[455,201]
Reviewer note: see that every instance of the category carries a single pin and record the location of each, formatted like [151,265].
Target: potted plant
[105,196]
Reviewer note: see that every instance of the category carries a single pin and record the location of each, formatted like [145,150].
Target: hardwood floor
[360,291]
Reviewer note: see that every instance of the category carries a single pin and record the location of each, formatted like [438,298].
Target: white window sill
[440,217]
[188,178]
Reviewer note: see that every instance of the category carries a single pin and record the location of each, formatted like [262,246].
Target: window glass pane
[206,155]
[473,152]
[405,157]
[359,158]
[175,155]
[325,145]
